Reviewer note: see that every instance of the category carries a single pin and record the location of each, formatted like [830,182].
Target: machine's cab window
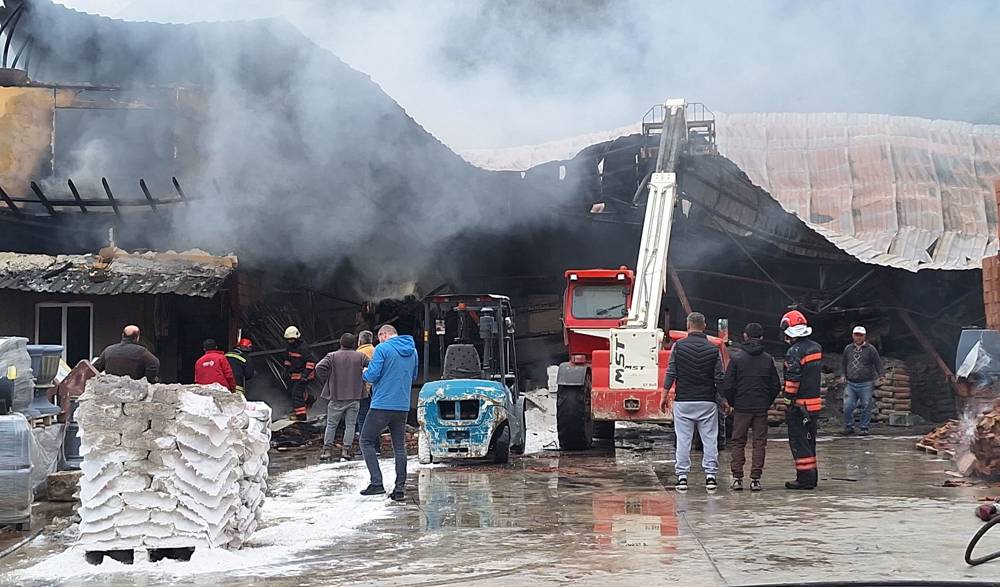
[599,301]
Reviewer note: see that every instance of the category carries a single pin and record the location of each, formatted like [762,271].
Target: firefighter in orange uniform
[300,370]
[802,389]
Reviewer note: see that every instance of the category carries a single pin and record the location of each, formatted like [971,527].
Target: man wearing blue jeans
[695,365]
[862,366]
[392,371]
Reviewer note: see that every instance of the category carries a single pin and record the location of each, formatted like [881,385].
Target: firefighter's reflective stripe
[295,376]
[811,357]
[294,355]
[791,387]
[287,363]
[805,464]
[239,389]
[811,405]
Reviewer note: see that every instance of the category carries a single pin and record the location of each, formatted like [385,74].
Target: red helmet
[795,325]
[245,344]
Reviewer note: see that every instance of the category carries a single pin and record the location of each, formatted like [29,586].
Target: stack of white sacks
[169,466]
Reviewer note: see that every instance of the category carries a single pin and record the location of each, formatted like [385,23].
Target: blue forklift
[474,409]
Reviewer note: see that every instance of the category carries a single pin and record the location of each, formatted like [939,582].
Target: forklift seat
[461,361]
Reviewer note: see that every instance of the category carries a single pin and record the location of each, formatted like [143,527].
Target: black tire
[604,430]
[501,445]
[573,419]
[519,449]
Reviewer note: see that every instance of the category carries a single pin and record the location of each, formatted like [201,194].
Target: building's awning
[116,272]
[895,191]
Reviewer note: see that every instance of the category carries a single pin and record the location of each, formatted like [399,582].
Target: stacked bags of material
[893,395]
[164,466]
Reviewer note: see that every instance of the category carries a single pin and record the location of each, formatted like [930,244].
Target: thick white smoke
[492,73]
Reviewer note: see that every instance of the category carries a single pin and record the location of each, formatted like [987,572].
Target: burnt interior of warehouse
[345,214]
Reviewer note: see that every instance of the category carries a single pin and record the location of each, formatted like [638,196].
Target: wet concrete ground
[612,518]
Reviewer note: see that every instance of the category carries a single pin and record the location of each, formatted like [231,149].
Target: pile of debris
[944,439]
[169,466]
[893,394]
[985,446]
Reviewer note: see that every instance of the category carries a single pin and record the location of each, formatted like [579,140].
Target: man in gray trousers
[696,367]
[340,373]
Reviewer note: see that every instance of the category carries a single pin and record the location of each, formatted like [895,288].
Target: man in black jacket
[129,358]
[750,387]
[695,365]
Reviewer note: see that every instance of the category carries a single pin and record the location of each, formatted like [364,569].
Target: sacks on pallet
[14,352]
[893,394]
[168,466]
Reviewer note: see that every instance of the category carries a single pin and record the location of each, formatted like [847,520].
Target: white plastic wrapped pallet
[169,465]
[15,469]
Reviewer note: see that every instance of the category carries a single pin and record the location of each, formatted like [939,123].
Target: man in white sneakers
[696,367]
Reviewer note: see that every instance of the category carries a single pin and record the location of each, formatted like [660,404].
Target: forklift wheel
[423,448]
[573,420]
[501,445]
[604,430]
[519,449]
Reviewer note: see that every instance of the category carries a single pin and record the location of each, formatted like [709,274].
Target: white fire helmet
[292,332]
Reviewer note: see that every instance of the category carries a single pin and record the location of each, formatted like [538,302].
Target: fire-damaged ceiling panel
[192,273]
[898,191]
[895,191]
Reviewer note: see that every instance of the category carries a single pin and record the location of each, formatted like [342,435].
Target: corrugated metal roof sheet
[147,273]
[897,191]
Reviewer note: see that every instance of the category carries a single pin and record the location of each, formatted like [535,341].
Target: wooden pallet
[933,450]
[127,556]
[43,421]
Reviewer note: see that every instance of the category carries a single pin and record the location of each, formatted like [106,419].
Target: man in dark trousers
[300,370]
[129,358]
[392,371]
[213,367]
[750,387]
[343,387]
[862,366]
[802,389]
[696,366]
[241,364]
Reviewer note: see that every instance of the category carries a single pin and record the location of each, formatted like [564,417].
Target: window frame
[64,306]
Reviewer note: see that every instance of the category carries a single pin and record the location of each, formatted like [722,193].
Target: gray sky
[493,73]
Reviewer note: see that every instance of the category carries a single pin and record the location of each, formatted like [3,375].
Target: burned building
[82,302]
[250,139]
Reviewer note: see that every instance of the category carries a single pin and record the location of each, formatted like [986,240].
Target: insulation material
[14,352]
[168,466]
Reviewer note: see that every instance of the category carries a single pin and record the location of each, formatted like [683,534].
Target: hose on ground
[973,561]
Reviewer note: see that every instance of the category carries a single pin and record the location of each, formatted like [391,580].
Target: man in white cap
[862,366]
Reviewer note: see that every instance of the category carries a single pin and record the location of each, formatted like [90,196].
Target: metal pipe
[10,32]
[17,56]
[10,204]
[848,290]
[681,294]
[76,195]
[111,196]
[177,188]
[145,192]
[43,199]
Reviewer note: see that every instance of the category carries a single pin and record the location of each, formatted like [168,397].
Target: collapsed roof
[114,272]
[894,191]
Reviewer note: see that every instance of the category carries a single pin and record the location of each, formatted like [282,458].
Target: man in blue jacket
[391,371]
